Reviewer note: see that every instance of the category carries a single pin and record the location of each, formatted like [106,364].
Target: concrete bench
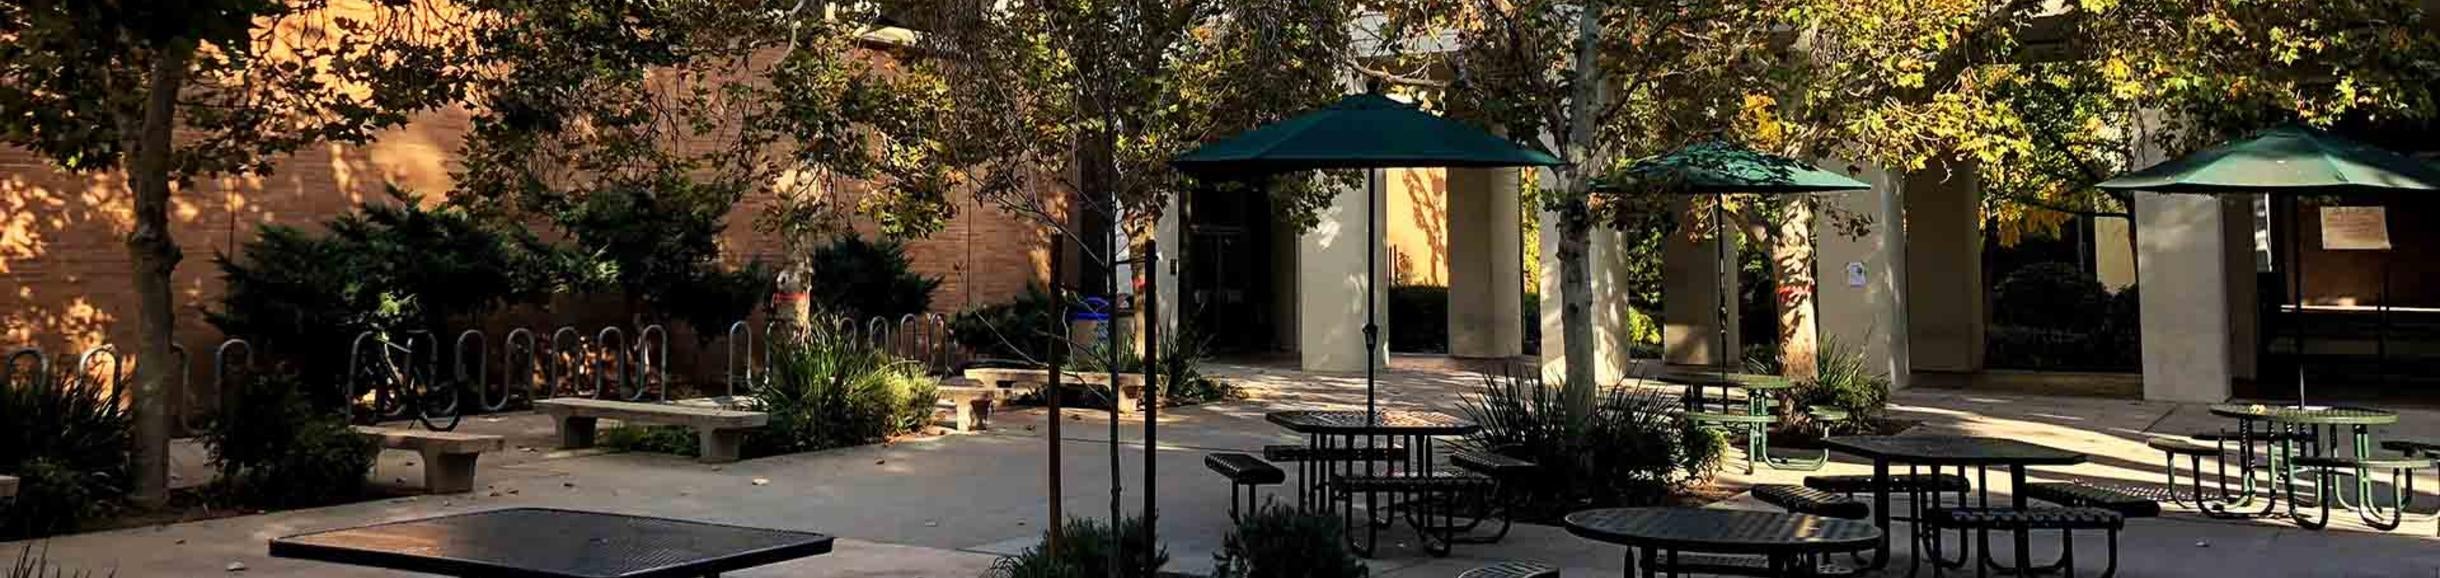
[8,486]
[1130,385]
[449,457]
[973,404]
[721,432]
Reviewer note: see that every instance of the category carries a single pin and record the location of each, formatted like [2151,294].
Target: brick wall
[66,284]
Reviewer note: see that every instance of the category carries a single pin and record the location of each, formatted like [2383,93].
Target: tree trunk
[1575,225]
[1792,260]
[1576,314]
[155,255]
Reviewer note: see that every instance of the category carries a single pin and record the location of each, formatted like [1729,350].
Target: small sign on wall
[2355,228]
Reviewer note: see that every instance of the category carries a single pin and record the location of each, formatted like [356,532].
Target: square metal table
[1945,451]
[553,543]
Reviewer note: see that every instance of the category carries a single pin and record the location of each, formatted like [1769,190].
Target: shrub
[275,448]
[865,279]
[1023,329]
[1419,318]
[712,298]
[68,446]
[1632,450]
[663,439]
[1843,380]
[1277,541]
[829,389]
[1182,355]
[2054,316]
[2055,296]
[387,266]
[1084,552]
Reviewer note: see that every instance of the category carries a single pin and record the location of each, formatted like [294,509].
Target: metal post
[1372,330]
[1151,270]
[1058,361]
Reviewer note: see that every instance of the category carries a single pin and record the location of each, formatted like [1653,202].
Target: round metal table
[1936,452]
[1789,543]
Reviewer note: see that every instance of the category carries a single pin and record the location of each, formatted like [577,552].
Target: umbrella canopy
[1360,131]
[1722,167]
[2288,159]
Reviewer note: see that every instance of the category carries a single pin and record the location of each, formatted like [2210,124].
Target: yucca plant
[67,443]
[1843,380]
[830,389]
[1631,450]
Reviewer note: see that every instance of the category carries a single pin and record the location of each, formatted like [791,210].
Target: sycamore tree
[637,128]
[1596,84]
[173,92]
[2042,100]
[1067,112]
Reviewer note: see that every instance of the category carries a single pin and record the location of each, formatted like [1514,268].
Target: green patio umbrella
[2286,161]
[1361,131]
[1719,168]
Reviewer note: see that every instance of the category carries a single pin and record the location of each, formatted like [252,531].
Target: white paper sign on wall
[1855,274]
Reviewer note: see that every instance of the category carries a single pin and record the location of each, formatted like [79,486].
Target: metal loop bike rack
[39,369]
[738,369]
[617,355]
[651,356]
[513,372]
[476,381]
[84,369]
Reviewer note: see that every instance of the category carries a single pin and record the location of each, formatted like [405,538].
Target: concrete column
[1608,275]
[1944,289]
[1486,282]
[2182,273]
[1864,317]
[1691,278]
[1331,284]
[1169,233]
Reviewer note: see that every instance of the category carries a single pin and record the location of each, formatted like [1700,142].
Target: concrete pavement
[942,506]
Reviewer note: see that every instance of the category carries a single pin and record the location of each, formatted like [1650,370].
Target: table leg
[1880,513]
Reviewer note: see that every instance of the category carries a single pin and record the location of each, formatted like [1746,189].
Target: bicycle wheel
[437,407]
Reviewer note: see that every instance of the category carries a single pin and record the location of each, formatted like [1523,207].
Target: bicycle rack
[221,386]
[514,372]
[84,369]
[41,366]
[617,355]
[482,368]
[567,359]
[355,371]
[736,369]
[652,370]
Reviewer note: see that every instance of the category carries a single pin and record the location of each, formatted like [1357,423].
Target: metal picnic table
[1329,431]
[1937,452]
[553,543]
[1789,543]
[2312,431]
[1756,419]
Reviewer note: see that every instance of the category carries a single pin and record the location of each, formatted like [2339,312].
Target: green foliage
[1084,552]
[276,448]
[385,267]
[712,298]
[1022,330]
[1421,318]
[68,445]
[668,439]
[2055,316]
[1843,380]
[1631,451]
[865,279]
[1182,355]
[829,389]
[1277,541]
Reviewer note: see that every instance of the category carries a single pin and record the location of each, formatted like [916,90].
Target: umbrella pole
[2295,246]
[1372,331]
[1723,271]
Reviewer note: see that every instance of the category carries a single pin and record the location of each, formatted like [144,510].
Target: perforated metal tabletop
[553,543]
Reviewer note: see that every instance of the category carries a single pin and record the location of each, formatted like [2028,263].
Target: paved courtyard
[946,506]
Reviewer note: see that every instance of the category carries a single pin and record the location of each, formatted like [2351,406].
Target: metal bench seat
[1490,464]
[1803,500]
[1244,469]
[1513,570]
[2413,447]
[1414,482]
[2026,519]
[1297,453]
[2076,495]
[1862,483]
[2174,446]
